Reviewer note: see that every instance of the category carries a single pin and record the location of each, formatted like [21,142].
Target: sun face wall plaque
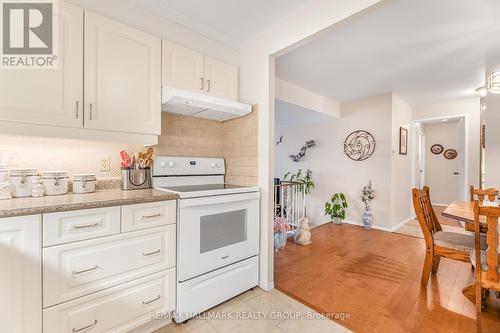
[359,145]
[450,154]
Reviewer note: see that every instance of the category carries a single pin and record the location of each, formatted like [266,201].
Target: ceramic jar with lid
[21,181]
[55,182]
[84,183]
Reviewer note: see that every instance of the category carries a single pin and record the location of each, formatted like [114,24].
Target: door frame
[414,150]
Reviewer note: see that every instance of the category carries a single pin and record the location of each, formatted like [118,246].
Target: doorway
[440,158]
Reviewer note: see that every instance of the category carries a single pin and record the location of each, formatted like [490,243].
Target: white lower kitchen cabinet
[118,309]
[20,275]
[81,268]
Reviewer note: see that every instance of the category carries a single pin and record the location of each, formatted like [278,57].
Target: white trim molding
[377,227]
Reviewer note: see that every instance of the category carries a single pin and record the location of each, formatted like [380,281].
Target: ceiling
[291,115]
[425,51]
[230,22]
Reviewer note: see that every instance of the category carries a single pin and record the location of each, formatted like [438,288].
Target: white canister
[21,182]
[55,182]
[84,183]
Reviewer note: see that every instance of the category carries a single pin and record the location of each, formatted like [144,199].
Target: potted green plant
[304,177]
[335,208]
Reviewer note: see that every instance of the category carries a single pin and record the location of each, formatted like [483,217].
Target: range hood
[201,105]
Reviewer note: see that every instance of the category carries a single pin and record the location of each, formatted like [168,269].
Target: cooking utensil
[125,159]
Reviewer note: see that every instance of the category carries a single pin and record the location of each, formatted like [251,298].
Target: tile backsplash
[235,140]
[73,156]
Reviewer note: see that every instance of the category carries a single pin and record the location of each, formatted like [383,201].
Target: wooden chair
[438,243]
[480,194]
[488,275]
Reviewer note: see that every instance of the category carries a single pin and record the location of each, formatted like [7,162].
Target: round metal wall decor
[437,149]
[450,154]
[359,145]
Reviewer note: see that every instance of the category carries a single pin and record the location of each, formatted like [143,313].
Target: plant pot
[280,239]
[367,218]
[337,220]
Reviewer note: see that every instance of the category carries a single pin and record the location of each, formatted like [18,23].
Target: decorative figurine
[303,233]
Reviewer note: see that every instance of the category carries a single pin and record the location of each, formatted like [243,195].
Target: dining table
[463,211]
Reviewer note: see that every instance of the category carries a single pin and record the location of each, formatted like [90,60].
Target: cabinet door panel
[182,68]
[20,279]
[122,77]
[222,79]
[49,96]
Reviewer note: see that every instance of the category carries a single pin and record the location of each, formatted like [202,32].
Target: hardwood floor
[444,220]
[375,277]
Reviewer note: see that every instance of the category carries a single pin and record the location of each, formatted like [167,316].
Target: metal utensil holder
[136,179]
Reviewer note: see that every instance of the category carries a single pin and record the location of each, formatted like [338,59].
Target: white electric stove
[217,232]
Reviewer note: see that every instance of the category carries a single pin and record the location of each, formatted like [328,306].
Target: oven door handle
[214,200]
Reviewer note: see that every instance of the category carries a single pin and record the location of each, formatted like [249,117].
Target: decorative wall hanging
[437,149]
[450,154]
[403,141]
[302,152]
[359,145]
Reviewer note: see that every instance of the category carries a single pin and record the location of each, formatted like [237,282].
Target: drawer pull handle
[85,226]
[151,301]
[151,253]
[85,270]
[151,216]
[84,328]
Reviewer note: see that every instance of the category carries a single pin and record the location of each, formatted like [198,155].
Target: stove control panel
[187,166]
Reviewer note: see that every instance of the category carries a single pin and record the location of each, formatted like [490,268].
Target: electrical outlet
[105,165]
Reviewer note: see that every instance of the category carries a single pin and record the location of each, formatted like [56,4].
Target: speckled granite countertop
[60,203]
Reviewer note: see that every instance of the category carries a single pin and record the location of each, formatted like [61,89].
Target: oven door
[216,231]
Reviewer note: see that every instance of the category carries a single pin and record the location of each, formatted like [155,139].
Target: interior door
[122,77]
[216,231]
[49,96]
[221,79]
[182,68]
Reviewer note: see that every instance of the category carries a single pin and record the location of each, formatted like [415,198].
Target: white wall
[401,206]
[257,87]
[438,170]
[143,19]
[333,171]
[470,108]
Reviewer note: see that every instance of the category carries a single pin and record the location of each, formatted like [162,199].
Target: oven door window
[224,229]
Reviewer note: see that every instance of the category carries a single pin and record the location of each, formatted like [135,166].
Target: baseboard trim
[377,227]
[267,286]
[440,204]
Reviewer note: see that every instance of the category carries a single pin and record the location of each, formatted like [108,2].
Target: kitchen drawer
[147,215]
[206,291]
[67,227]
[78,269]
[118,309]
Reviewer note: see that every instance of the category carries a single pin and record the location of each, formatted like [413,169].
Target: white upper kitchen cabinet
[49,96]
[186,69]
[182,67]
[20,277]
[221,79]
[122,77]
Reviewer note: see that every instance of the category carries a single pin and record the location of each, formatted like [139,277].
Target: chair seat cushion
[484,265]
[456,241]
